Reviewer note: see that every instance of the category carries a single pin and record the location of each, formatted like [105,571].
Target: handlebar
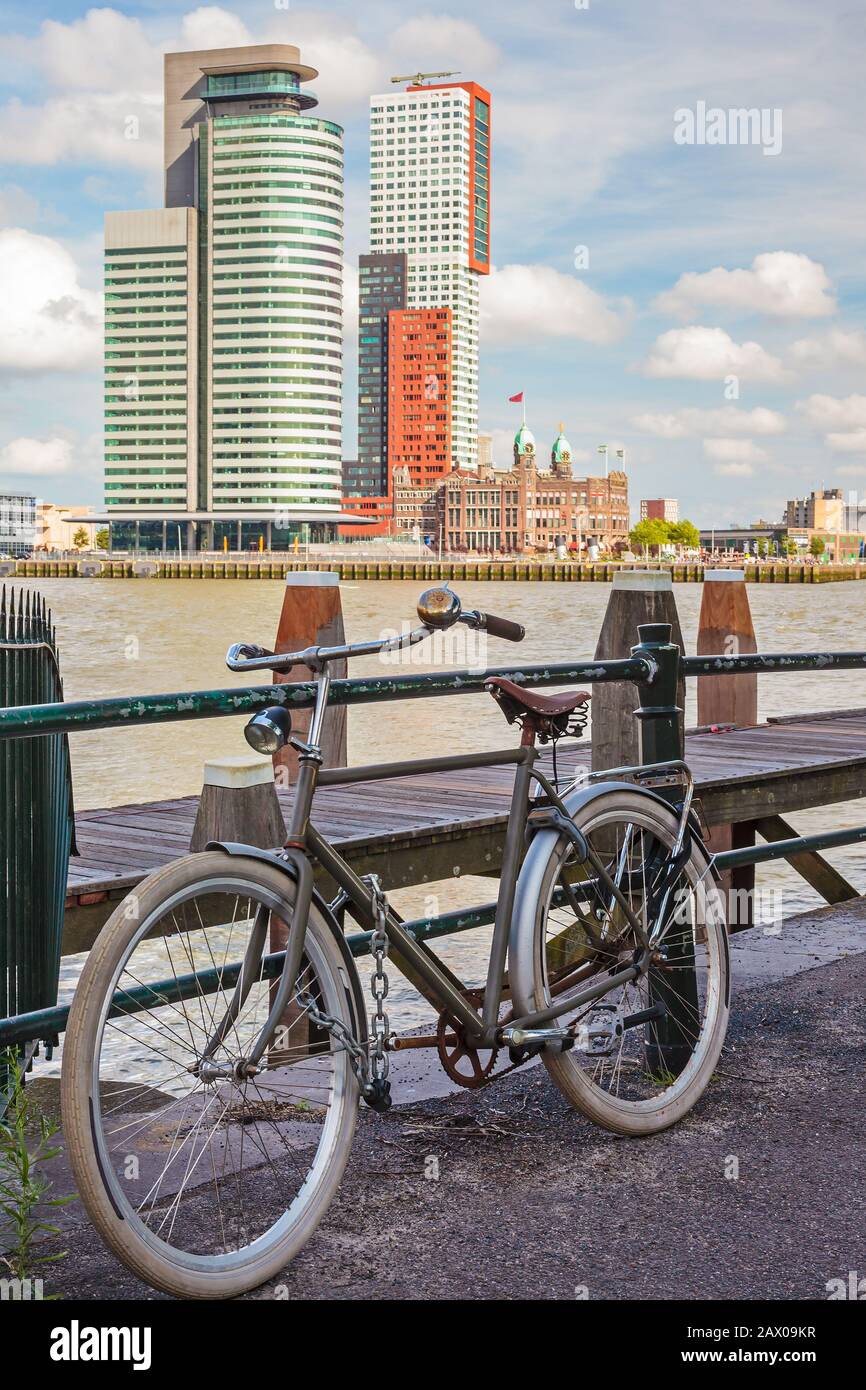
[497,627]
[248,656]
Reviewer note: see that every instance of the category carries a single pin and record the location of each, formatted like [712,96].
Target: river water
[124,637]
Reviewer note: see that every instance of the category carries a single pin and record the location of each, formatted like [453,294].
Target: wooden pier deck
[431,827]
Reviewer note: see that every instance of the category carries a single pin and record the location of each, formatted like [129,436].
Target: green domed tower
[560,455]
[524,446]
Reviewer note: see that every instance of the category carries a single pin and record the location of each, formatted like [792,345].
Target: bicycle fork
[249,1065]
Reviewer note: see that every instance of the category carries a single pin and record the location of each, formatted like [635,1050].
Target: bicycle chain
[380,1027]
[371,1066]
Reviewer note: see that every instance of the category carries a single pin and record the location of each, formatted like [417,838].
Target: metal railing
[653,667]
[130,711]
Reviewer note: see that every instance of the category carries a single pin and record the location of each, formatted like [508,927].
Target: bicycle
[217,1044]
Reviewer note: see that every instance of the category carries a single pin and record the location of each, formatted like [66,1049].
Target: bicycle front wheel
[204,1183]
[642,1052]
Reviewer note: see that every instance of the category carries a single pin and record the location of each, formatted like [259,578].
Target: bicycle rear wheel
[206,1184]
[644,1051]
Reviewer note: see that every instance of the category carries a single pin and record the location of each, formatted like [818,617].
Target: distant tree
[102,538]
[81,538]
[650,534]
[817,545]
[684,533]
[763,546]
[789,547]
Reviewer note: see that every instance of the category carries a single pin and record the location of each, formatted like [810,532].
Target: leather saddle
[550,716]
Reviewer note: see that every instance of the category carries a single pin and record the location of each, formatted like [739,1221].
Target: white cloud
[734,457]
[842,417]
[677,424]
[848,443]
[709,354]
[50,321]
[212,27]
[840,347]
[785,284]
[19,208]
[103,103]
[119,130]
[437,41]
[37,458]
[834,412]
[733,470]
[348,70]
[103,51]
[522,303]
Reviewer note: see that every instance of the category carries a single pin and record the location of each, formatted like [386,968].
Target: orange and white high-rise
[430,199]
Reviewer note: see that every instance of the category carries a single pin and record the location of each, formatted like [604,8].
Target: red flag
[518,398]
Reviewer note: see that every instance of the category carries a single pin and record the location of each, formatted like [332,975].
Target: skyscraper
[382,287]
[223,393]
[420,377]
[430,199]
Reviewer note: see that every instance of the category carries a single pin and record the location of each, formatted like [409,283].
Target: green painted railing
[129,711]
[36,815]
[24,726]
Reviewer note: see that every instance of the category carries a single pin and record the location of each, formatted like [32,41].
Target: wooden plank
[818,716]
[820,875]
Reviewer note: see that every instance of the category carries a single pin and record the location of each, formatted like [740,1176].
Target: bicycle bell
[438,607]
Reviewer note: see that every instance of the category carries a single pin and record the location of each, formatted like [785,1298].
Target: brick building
[419,394]
[524,510]
[659,509]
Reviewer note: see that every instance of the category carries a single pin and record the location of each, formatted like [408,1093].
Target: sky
[669,278]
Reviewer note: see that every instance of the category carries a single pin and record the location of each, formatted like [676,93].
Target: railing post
[637,597]
[660,721]
[669,1042]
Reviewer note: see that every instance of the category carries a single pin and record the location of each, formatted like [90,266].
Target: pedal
[600,1033]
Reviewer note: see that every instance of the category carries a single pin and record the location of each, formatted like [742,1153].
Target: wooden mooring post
[238,802]
[725,628]
[312,615]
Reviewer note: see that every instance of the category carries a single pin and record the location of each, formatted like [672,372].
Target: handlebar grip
[503,627]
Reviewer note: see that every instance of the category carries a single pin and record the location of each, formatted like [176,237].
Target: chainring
[455,1052]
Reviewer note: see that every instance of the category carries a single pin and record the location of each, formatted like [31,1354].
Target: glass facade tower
[224,310]
[382,284]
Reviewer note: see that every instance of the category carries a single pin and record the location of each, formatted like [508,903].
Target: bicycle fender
[528,887]
[288,866]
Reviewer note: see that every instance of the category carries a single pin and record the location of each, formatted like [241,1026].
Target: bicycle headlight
[269,730]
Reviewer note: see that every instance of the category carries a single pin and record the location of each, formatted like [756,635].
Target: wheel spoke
[587,933]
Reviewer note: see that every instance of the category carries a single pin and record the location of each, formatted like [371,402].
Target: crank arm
[527,1037]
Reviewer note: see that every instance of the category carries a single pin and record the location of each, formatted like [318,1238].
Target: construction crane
[417,79]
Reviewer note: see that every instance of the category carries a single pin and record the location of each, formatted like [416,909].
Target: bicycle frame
[304,843]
